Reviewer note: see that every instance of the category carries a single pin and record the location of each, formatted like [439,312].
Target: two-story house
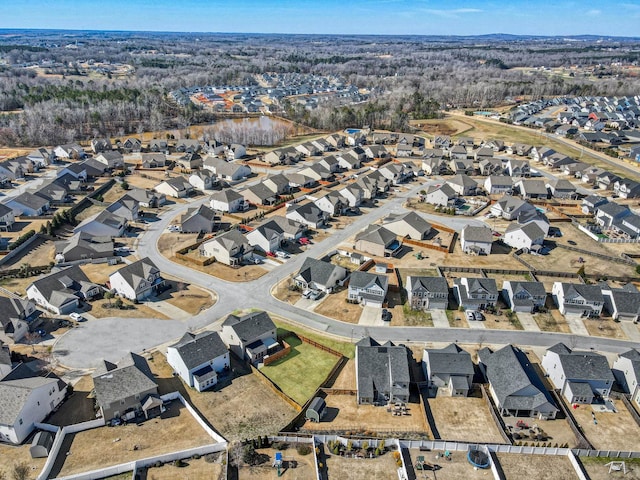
[449,368]
[382,372]
[524,296]
[427,293]
[137,280]
[475,293]
[576,298]
[251,337]
[368,288]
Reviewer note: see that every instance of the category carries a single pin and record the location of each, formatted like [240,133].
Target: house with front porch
[524,296]
[137,281]
[231,248]
[475,293]
[578,299]
[251,337]
[368,288]
[319,275]
[427,293]
[61,291]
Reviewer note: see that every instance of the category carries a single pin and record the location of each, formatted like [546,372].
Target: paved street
[111,338]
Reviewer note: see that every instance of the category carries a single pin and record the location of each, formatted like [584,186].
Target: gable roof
[131,376]
[381,368]
[582,365]
[250,326]
[138,272]
[313,270]
[471,233]
[227,195]
[64,285]
[377,234]
[361,280]
[451,360]
[410,218]
[194,350]
[430,284]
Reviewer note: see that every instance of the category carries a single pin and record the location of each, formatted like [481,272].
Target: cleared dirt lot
[379,468]
[345,415]
[464,419]
[551,321]
[105,446]
[536,466]
[336,306]
[304,469]
[614,431]
[257,410]
[597,470]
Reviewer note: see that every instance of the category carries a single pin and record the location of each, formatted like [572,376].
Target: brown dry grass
[105,446]
[344,414]
[604,327]
[17,285]
[195,470]
[284,293]
[455,468]
[552,321]
[336,306]
[169,243]
[11,455]
[614,431]
[379,468]
[347,378]
[597,469]
[100,309]
[464,419]
[137,181]
[186,297]
[536,466]
[256,409]
[305,468]
[99,272]
[42,254]
[495,322]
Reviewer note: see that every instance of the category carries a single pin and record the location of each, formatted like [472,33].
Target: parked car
[470,314]
[304,241]
[41,332]
[271,254]
[281,254]
[315,294]
[386,315]
[478,316]
[77,317]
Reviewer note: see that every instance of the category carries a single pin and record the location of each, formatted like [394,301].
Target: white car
[281,254]
[470,314]
[77,317]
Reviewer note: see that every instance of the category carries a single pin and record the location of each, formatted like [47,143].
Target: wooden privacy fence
[278,355]
[428,246]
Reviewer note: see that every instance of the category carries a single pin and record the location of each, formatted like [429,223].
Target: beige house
[230,248]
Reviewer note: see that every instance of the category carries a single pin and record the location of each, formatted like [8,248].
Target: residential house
[308,214]
[622,303]
[203,180]
[301,180]
[353,194]
[11,170]
[236,151]
[126,388]
[147,198]
[580,376]
[230,248]
[514,385]
[576,298]
[442,195]
[133,144]
[41,157]
[252,336]
[137,281]
[72,150]
[376,152]
[125,207]
[28,205]
[292,230]
[610,213]
[15,316]
[332,203]
[199,220]
[520,149]
[153,160]
[259,194]
[84,246]
[591,203]
[540,153]
[75,170]
[449,368]
[524,296]
[530,189]
[307,149]
[509,207]
[497,184]
[427,293]
[482,153]
[458,152]
[100,145]
[7,218]
[518,168]
[408,225]
[561,188]
[461,166]
[319,275]
[475,293]
[27,399]
[199,358]
[227,200]
[476,240]
[435,166]
[190,161]
[61,291]
[495,145]
[330,163]
[368,288]
[112,159]
[463,184]
[528,237]
[158,145]
[278,184]
[626,188]
[379,241]
[188,145]
[382,373]
[176,187]
[491,166]
[626,370]
[228,171]
[397,173]
[607,181]
[267,237]
[103,224]
[442,141]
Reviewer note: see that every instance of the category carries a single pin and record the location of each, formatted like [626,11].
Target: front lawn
[300,373]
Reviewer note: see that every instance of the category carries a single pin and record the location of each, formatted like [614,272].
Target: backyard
[464,419]
[379,468]
[598,468]
[454,467]
[300,373]
[191,468]
[536,466]
[294,466]
[613,430]
[336,343]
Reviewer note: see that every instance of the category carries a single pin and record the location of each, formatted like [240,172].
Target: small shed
[41,445]
[317,409]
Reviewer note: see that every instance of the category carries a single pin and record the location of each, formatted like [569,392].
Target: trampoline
[478,459]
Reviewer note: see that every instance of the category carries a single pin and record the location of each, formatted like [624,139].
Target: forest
[49,96]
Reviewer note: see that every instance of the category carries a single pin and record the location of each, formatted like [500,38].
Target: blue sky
[424,17]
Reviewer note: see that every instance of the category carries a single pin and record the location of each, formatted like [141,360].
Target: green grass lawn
[301,372]
[345,348]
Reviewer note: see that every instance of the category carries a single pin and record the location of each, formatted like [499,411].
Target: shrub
[378,452]
[196,456]
[210,458]
[304,449]
[179,463]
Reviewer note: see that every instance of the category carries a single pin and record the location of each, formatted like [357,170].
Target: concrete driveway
[439,318]
[576,325]
[372,317]
[527,322]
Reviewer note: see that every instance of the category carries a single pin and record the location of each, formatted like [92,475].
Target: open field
[345,415]
[614,431]
[198,469]
[596,469]
[257,410]
[446,126]
[11,455]
[185,296]
[336,306]
[301,372]
[456,467]
[379,468]
[604,327]
[536,466]
[335,343]
[304,466]
[464,419]
[100,447]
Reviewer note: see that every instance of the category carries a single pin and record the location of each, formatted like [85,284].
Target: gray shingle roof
[377,234]
[131,376]
[201,348]
[582,365]
[360,279]
[381,368]
[451,360]
[14,395]
[317,271]
[251,325]
[137,272]
[60,287]
[477,234]
[430,284]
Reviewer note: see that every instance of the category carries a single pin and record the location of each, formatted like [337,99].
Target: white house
[227,200]
[198,359]
[524,296]
[368,288]
[528,237]
[202,180]
[230,248]
[476,240]
[177,187]
[26,400]
[60,292]
[137,280]
[626,370]
[581,376]
[496,184]
[427,293]
[268,236]
[252,336]
[112,159]
[442,195]
[576,298]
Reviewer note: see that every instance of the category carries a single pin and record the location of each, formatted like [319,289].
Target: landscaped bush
[303,449]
